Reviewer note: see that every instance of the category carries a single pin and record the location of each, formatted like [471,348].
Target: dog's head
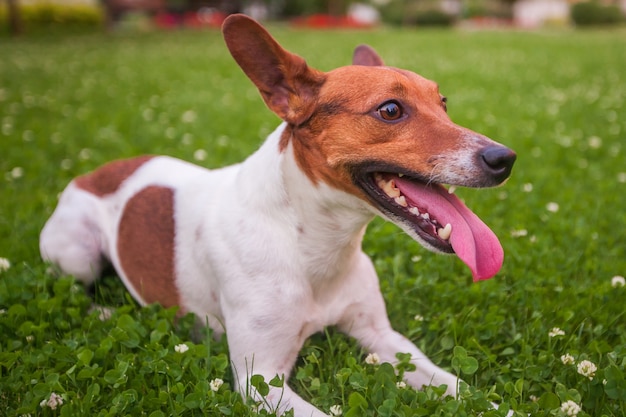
[383,135]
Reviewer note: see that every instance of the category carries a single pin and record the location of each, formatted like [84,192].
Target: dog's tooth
[389,187]
[414,211]
[425,216]
[401,201]
[451,189]
[400,175]
[445,232]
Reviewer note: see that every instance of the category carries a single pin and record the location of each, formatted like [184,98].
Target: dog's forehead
[370,85]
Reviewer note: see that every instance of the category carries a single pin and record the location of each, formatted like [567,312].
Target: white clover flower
[182,348]
[533,398]
[570,408]
[53,402]
[104,313]
[567,359]
[372,359]
[594,142]
[170,132]
[84,154]
[621,177]
[418,317]
[555,332]
[587,368]
[528,187]
[618,281]
[401,384]
[189,116]
[5,264]
[215,384]
[148,114]
[519,233]
[17,172]
[200,155]
[223,140]
[335,410]
[552,207]
[7,129]
[66,164]
[187,139]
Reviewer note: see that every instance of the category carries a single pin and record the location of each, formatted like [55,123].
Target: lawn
[530,338]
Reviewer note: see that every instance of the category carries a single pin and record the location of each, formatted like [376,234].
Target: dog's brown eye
[390,111]
[444,102]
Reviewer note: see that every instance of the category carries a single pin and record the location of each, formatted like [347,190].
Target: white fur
[282,255]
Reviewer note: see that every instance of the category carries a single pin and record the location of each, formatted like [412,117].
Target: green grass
[69,104]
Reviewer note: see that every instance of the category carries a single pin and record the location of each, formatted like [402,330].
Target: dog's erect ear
[366,55]
[288,85]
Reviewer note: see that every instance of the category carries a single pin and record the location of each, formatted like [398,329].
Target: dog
[269,250]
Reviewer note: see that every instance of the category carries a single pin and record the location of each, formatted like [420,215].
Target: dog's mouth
[435,217]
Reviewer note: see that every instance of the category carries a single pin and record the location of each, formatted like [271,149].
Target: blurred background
[19,17]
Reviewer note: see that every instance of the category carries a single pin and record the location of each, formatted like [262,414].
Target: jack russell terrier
[269,250]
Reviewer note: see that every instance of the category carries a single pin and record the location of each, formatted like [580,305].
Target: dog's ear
[366,55]
[287,84]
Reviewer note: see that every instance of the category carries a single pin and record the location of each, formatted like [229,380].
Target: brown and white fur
[269,250]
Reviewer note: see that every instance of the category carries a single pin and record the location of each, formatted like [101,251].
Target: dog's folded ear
[287,84]
[367,56]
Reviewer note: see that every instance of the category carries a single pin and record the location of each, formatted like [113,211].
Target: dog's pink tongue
[472,241]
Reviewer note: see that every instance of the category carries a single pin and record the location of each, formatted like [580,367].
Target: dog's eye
[444,102]
[390,111]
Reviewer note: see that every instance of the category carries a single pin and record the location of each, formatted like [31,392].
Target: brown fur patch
[108,178]
[146,245]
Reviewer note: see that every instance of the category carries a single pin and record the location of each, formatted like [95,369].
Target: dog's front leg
[366,320]
[267,344]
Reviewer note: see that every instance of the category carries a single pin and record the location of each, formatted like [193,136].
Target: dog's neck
[328,224]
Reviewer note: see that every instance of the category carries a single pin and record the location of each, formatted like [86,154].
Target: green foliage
[42,16]
[591,13]
[69,104]
[433,18]
[400,12]
[393,12]
[488,8]
[306,7]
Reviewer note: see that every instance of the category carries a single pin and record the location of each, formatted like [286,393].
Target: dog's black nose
[498,161]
